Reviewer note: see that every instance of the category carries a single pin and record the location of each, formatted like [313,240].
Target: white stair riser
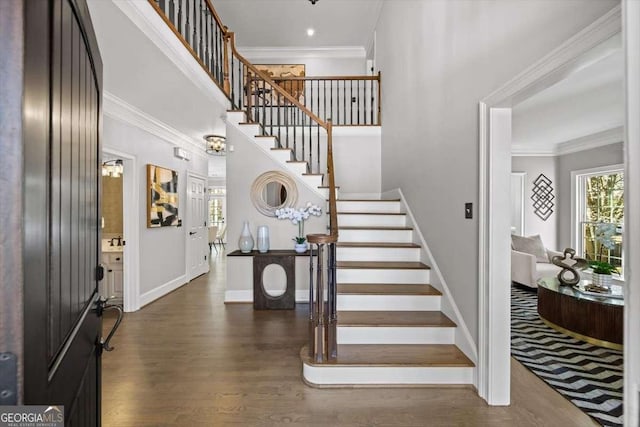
[395,335]
[266,144]
[325,192]
[281,155]
[314,181]
[378,254]
[368,206]
[357,275]
[336,375]
[297,168]
[236,117]
[359,302]
[387,236]
[250,130]
[372,220]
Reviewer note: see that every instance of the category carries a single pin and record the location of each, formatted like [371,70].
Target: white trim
[571,56]
[142,14]
[121,110]
[246,296]
[463,338]
[250,53]
[130,209]
[523,182]
[162,290]
[598,139]
[631,25]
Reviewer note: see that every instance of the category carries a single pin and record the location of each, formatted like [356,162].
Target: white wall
[357,160]
[602,156]
[244,164]
[162,250]
[438,59]
[533,224]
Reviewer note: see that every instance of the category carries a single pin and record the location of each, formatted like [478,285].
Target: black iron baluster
[344,102]
[194,24]
[324,99]
[358,95]
[187,28]
[161,5]
[351,100]
[286,122]
[332,350]
[279,121]
[180,16]
[207,23]
[371,97]
[295,131]
[318,145]
[331,97]
[271,111]
[320,335]
[304,141]
[201,32]
[172,12]
[264,104]
[312,306]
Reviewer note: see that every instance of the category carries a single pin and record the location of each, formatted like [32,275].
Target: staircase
[390,327]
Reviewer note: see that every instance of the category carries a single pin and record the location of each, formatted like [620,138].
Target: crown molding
[119,109]
[599,139]
[143,16]
[357,52]
[587,142]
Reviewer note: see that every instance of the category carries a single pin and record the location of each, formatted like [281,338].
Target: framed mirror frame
[260,184]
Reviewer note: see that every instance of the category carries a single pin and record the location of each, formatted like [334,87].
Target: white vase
[245,243]
[603,280]
[263,239]
[301,247]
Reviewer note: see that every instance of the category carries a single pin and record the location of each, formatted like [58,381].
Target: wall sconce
[216,145]
[113,168]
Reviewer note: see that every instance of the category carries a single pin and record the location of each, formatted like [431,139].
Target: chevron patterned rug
[589,376]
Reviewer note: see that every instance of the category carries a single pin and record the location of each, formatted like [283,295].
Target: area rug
[589,376]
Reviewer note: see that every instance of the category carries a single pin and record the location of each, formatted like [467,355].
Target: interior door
[197,241]
[61,122]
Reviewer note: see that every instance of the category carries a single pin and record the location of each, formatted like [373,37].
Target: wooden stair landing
[435,319]
[399,355]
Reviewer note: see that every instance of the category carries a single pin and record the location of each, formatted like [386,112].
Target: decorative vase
[301,247]
[263,239]
[603,280]
[245,243]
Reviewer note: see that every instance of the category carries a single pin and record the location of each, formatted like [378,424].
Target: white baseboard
[162,290]
[302,296]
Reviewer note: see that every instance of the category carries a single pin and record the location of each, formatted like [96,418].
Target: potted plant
[601,270]
[298,217]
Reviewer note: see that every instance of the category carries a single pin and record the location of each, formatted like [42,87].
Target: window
[600,200]
[217,197]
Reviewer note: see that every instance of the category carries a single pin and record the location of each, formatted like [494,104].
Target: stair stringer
[234,118]
[448,306]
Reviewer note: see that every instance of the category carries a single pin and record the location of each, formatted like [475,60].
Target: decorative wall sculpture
[162,197]
[543,197]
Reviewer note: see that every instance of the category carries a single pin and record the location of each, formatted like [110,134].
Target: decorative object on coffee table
[543,197]
[570,265]
[601,274]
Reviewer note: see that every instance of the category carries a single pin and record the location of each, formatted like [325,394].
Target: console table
[596,319]
[285,259]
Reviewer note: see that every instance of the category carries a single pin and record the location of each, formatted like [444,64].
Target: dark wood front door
[61,122]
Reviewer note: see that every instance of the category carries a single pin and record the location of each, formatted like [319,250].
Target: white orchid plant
[298,217]
[603,235]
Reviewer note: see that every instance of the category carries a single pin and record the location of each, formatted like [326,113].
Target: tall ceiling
[283,23]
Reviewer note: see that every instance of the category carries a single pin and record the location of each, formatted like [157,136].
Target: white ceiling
[587,102]
[283,23]
[137,72]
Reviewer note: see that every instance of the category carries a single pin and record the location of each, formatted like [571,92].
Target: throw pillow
[530,245]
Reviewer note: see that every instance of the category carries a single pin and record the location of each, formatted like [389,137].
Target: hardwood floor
[189,360]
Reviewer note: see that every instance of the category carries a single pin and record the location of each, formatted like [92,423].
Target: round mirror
[273,190]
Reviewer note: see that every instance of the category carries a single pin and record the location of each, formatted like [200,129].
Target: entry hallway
[190,360]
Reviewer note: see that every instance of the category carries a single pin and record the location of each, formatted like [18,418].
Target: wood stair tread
[296,161]
[265,136]
[377,245]
[326,186]
[372,227]
[386,289]
[368,200]
[383,265]
[434,319]
[400,355]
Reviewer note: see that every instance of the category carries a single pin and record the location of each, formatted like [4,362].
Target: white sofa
[526,271]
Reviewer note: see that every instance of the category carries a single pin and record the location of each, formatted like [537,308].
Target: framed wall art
[162,197]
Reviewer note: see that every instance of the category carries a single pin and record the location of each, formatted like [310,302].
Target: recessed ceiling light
[310,32]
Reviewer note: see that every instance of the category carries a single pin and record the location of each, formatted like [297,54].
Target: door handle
[102,307]
[191,233]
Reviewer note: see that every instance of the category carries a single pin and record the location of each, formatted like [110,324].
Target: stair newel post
[379,98]
[332,339]
[320,335]
[312,306]
[229,38]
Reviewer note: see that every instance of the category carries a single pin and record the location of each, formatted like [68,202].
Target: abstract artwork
[162,197]
[542,197]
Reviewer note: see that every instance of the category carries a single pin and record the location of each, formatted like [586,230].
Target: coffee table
[596,319]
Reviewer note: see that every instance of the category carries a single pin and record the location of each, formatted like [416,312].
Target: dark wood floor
[189,360]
